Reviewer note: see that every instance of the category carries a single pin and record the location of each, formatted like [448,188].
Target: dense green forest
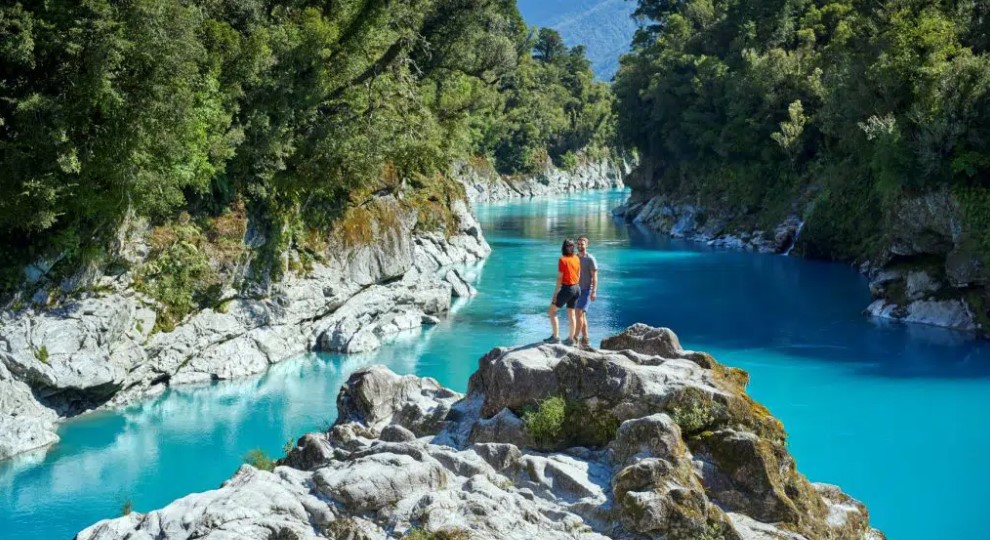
[847,106]
[187,111]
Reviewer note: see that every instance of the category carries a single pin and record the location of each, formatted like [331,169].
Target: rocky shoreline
[483,184]
[99,350]
[639,440]
[926,275]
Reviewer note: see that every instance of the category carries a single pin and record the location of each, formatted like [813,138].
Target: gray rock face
[920,295]
[689,221]
[488,186]
[27,424]
[685,455]
[947,313]
[99,351]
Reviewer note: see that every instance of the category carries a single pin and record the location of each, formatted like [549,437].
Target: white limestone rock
[723,473]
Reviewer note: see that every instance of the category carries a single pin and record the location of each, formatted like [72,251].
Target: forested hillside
[844,105]
[197,113]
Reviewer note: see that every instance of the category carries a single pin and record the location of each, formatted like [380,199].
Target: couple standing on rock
[577,285]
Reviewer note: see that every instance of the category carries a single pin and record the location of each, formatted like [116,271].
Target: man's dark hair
[567,249]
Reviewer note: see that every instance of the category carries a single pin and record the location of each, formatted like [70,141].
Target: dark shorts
[583,299]
[568,294]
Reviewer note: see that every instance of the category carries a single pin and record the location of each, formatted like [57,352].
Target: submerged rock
[654,442]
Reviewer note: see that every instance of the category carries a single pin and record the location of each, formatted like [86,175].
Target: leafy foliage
[836,103]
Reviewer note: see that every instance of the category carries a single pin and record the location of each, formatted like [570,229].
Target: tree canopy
[848,105]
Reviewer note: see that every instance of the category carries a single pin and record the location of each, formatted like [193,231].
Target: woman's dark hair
[568,248]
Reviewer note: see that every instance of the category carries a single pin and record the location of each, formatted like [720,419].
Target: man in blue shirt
[589,287]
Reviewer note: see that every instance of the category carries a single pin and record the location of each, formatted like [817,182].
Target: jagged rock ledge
[649,442]
[100,351]
[692,222]
[484,184]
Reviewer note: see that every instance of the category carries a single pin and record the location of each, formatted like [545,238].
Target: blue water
[894,414]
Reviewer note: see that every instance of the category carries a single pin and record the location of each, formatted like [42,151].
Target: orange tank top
[571,268]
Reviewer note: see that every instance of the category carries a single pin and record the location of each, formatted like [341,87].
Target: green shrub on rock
[258,459]
[546,423]
[558,421]
[693,410]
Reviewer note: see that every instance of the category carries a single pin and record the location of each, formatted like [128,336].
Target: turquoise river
[894,414]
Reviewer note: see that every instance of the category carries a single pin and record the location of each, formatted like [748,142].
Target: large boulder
[376,397]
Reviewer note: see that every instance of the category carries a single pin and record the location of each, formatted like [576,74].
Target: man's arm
[594,283]
[594,278]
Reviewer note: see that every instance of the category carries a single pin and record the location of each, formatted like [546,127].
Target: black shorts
[568,294]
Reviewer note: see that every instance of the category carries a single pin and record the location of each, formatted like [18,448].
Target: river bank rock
[926,268]
[100,351]
[715,228]
[655,442]
[484,184]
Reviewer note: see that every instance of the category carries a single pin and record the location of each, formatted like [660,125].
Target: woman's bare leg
[554,325]
[572,323]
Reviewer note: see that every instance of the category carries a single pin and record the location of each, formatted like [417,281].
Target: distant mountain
[605,27]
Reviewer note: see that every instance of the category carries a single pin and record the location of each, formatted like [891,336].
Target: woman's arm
[556,289]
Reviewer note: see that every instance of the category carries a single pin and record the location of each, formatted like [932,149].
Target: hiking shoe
[552,340]
[569,342]
[586,343]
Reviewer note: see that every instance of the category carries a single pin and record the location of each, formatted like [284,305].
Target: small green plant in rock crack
[693,411]
[442,534]
[258,459]
[714,531]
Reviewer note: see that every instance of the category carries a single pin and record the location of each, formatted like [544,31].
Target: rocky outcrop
[931,272]
[653,442]
[715,228]
[99,351]
[484,184]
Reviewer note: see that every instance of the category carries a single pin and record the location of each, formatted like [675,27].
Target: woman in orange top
[567,292]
